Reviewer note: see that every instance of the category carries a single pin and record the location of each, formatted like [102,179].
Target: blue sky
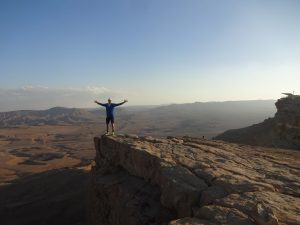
[149,51]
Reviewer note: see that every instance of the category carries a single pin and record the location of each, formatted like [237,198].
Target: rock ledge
[145,180]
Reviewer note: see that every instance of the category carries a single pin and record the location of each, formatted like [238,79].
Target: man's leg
[107,125]
[113,125]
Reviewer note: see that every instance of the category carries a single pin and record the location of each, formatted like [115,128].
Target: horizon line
[143,105]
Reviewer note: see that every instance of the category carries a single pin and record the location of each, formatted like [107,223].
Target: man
[110,114]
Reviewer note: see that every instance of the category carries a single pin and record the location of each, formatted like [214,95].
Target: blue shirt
[110,108]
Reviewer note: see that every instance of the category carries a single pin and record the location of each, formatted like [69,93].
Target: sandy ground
[29,150]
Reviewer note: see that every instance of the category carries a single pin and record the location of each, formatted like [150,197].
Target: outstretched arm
[99,103]
[121,103]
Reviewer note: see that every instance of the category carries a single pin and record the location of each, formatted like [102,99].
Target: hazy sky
[68,52]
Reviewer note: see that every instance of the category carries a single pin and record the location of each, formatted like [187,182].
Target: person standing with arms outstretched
[110,114]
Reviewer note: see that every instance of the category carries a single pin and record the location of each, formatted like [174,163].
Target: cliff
[282,131]
[142,180]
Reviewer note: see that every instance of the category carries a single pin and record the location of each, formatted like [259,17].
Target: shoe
[107,133]
[113,133]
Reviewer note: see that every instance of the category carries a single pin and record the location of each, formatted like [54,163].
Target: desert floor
[36,149]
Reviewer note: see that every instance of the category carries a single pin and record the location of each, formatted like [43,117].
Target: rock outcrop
[282,131]
[176,181]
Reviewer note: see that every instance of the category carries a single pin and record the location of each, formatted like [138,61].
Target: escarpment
[143,180]
[281,131]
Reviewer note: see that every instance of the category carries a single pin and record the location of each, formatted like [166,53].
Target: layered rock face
[288,112]
[282,131]
[142,180]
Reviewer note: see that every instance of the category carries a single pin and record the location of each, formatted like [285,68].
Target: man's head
[109,100]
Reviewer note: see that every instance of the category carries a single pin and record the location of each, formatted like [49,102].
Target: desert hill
[190,181]
[283,130]
[53,116]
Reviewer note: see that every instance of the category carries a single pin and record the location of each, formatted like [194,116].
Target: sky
[71,52]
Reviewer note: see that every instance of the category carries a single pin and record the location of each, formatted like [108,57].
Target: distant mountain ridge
[52,116]
[200,119]
[192,119]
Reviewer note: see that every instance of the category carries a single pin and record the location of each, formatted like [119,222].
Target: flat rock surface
[198,181]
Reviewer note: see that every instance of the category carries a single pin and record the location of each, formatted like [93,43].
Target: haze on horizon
[68,53]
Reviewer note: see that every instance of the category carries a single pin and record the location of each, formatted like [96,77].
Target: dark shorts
[110,119]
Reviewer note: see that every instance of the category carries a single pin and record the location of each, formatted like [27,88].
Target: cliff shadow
[53,197]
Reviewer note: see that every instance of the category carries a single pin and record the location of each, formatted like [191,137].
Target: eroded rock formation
[282,131]
[142,180]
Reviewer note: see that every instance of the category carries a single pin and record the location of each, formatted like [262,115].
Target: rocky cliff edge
[281,131]
[142,180]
